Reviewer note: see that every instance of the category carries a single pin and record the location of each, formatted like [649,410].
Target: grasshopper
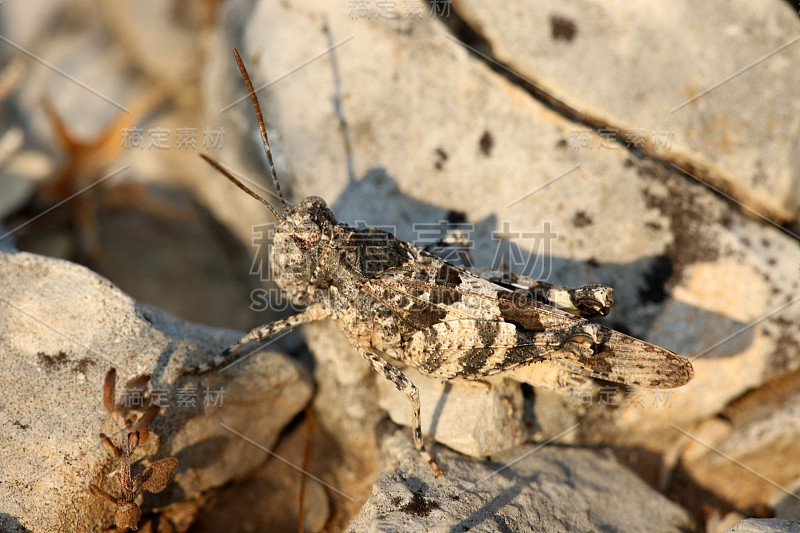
[394,300]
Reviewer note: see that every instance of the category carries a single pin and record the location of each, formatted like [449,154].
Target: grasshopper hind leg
[586,301]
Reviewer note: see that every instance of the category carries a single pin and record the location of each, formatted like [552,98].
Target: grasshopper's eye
[306,234]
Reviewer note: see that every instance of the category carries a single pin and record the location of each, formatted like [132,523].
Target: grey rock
[786,501]
[476,419]
[268,500]
[62,328]
[762,433]
[347,414]
[529,489]
[764,525]
[7,242]
[619,67]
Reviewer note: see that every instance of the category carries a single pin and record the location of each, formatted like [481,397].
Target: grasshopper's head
[301,246]
[301,257]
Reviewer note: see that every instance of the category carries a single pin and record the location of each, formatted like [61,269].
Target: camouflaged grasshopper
[394,300]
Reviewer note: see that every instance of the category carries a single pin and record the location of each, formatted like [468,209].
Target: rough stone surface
[347,413]
[250,505]
[61,328]
[741,136]
[764,525]
[761,426]
[8,244]
[530,489]
[476,419]
[786,501]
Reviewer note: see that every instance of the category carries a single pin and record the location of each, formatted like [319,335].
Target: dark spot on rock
[396,500]
[441,157]
[456,217]
[689,218]
[628,163]
[486,143]
[562,28]
[82,365]
[765,242]
[784,358]
[581,219]
[562,143]
[419,505]
[592,262]
[653,225]
[655,279]
[57,362]
[20,424]
[52,362]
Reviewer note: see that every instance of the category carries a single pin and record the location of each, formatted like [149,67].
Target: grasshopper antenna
[219,168]
[260,117]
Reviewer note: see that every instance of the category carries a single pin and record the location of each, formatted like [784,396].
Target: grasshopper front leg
[312,314]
